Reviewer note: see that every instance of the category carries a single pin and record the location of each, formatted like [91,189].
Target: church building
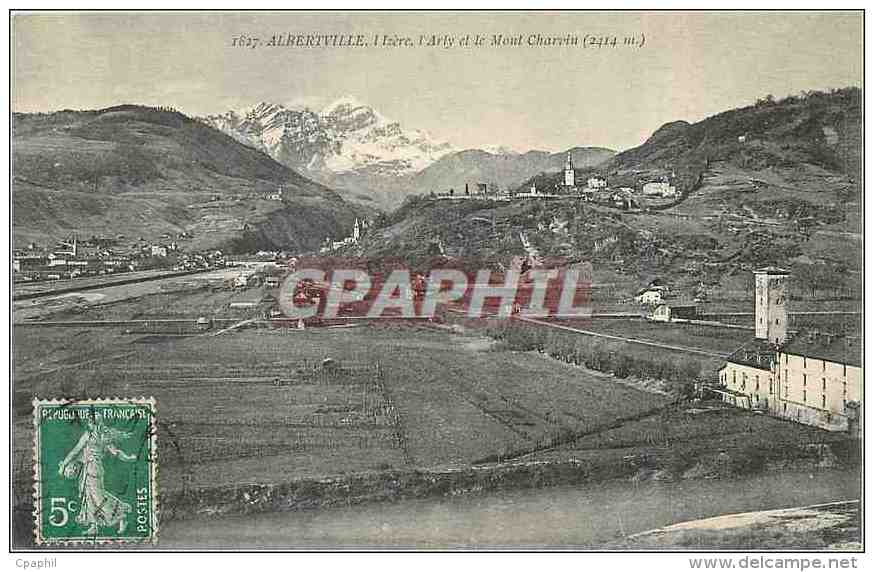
[808,376]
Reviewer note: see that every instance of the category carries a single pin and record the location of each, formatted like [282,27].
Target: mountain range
[368,158]
[347,145]
[144,172]
[790,167]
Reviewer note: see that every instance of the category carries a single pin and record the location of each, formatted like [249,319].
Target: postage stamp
[95,471]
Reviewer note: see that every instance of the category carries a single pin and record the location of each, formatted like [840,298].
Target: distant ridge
[506,171]
[146,171]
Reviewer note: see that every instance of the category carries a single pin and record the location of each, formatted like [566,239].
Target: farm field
[706,421]
[258,406]
[517,400]
[708,438]
[620,357]
[261,406]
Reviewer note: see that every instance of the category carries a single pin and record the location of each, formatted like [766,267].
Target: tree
[691,370]
[816,278]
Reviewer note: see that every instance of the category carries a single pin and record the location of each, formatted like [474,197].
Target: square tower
[772,317]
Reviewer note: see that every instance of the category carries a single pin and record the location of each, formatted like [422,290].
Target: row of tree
[600,355]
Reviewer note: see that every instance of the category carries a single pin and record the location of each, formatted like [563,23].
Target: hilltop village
[586,186]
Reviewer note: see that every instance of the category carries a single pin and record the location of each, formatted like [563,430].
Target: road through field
[624,339]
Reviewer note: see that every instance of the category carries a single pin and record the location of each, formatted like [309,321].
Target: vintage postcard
[581,281]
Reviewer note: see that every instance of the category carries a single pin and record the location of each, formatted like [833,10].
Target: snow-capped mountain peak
[500,150]
[346,135]
[347,114]
[343,105]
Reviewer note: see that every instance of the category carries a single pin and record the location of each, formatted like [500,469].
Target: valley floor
[256,408]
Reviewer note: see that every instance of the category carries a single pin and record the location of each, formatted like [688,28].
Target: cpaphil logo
[367,289]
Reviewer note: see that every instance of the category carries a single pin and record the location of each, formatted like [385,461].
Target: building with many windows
[659,189]
[819,380]
[811,377]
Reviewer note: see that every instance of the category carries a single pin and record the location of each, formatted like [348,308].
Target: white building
[275,196]
[597,182]
[532,193]
[651,295]
[667,312]
[55,260]
[810,377]
[659,189]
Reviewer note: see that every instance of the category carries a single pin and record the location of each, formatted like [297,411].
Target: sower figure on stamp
[98,507]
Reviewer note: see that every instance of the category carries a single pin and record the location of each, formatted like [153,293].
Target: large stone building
[809,376]
[818,378]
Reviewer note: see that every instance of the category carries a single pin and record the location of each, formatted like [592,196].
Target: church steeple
[569,177]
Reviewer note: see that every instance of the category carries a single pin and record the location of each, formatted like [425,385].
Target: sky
[692,65]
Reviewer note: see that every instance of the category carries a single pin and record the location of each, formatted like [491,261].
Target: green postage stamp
[95,471]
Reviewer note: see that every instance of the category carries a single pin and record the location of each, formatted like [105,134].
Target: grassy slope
[143,172]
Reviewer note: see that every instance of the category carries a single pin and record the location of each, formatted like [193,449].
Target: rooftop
[681,303]
[755,353]
[772,270]
[837,348]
